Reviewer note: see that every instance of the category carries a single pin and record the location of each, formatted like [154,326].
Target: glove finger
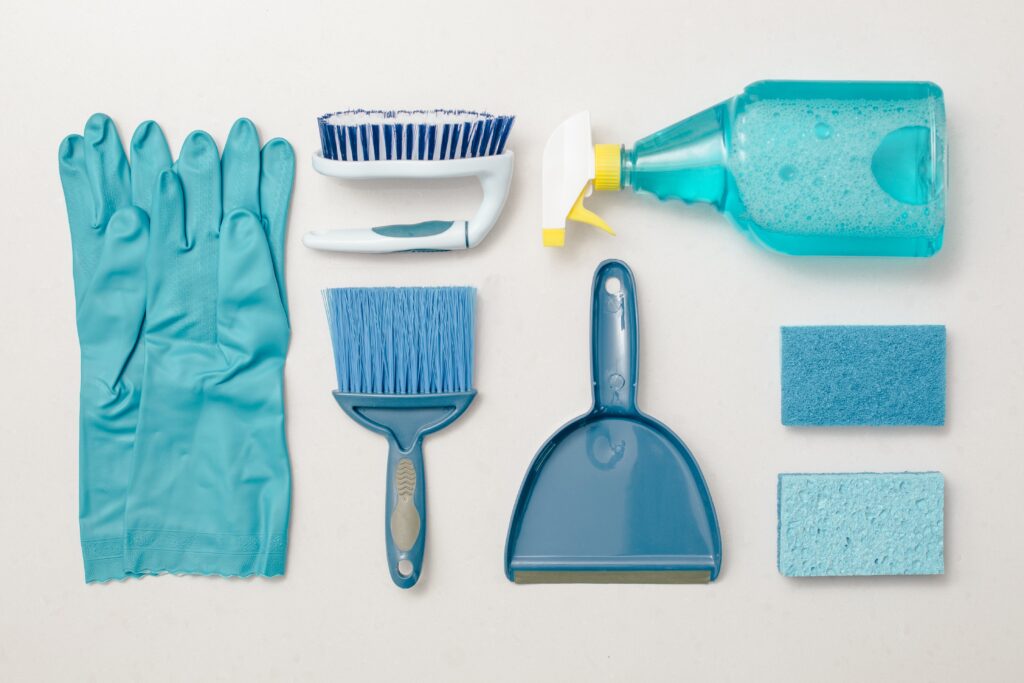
[85,239]
[150,156]
[198,167]
[167,270]
[277,173]
[240,167]
[107,166]
[251,319]
[167,216]
[112,310]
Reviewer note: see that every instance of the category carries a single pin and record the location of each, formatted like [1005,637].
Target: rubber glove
[210,488]
[106,202]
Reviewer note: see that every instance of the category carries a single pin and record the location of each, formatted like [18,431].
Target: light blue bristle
[402,340]
[439,134]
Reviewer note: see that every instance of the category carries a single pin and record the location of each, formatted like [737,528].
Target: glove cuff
[219,554]
[104,559]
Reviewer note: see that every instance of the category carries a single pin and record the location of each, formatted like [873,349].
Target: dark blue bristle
[431,136]
[402,340]
[389,131]
[474,146]
[506,128]
[324,144]
[375,136]
[466,129]
[487,138]
[352,144]
[445,132]
[362,139]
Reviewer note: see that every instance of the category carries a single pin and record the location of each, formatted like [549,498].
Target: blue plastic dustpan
[614,496]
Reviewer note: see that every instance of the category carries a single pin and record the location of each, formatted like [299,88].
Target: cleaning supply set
[183,323]
[809,168]
[372,145]
[183,328]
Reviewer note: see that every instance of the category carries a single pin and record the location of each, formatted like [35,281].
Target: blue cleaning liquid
[838,168]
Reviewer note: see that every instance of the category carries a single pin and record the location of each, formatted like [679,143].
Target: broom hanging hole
[405,567]
[613,285]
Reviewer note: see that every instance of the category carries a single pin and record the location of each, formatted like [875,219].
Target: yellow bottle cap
[554,237]
[607,167]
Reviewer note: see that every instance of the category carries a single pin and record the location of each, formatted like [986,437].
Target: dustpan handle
[613,337]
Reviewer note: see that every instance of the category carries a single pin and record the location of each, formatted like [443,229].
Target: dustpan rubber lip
[523,576]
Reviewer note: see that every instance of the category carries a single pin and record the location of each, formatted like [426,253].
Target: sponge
[861,524]
[864,375]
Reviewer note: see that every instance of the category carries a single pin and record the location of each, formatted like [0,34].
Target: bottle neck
[685,161]
[627,170]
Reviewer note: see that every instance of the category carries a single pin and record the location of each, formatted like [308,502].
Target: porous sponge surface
[864,375]
[861,524]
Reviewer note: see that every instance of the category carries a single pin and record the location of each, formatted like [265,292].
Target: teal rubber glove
[210,487]
[106,202]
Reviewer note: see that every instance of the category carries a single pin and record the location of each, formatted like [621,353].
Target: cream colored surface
[711,307]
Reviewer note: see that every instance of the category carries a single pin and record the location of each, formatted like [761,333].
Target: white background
[711,306]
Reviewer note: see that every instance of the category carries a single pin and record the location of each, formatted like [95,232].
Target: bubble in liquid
[787,172]
[822,130]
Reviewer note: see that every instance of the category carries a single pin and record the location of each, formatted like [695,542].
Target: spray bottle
[803,167]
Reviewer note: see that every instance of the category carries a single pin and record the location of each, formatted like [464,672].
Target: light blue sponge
[864,375]
[861,524]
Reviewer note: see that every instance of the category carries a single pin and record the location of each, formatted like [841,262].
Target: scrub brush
[360,144]
[404,360]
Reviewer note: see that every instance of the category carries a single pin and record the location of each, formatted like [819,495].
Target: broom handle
[405,519]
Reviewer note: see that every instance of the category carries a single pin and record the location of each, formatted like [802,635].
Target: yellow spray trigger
[582,214]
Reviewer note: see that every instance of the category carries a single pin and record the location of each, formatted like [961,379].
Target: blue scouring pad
[864,375]
[861,524]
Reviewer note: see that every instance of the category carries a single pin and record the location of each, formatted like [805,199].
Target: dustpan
[614,496]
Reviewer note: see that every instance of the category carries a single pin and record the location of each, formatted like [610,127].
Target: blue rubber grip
[424,229]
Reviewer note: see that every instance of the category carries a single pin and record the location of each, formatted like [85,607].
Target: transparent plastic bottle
[808,167]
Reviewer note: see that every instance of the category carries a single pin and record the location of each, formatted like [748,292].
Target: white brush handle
[493,172]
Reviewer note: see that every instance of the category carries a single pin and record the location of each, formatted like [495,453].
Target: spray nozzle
[573,167]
